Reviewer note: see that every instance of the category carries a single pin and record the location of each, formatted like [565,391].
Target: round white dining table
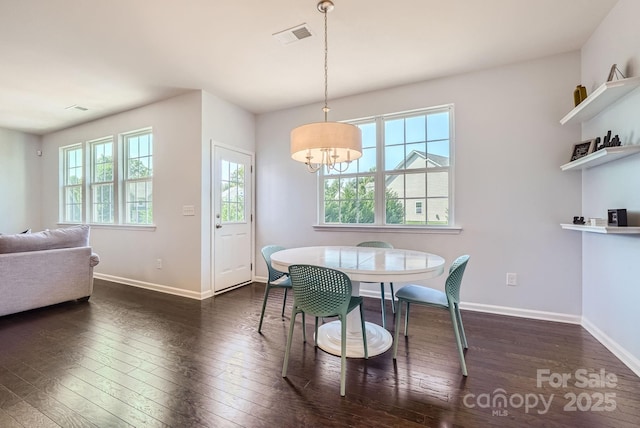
[361,264]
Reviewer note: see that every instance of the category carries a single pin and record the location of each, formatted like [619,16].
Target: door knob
[218,226]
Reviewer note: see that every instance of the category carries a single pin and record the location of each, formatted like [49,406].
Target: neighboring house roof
[431,159]
[435,160]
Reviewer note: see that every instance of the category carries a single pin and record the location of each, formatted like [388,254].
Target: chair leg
[304,330]
[406,321]
[264,305]
[285,365]
[284,302]
[343,354]
[393,298]
[364,332]
[315,336]
[384,321]
[454,322]
[461,327]
[397,329]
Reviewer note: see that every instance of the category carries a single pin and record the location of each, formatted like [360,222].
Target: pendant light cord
[325,109]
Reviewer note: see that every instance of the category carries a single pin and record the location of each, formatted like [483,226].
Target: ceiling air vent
[294,34]
[76,107]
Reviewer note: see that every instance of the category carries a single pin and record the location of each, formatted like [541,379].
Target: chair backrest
[266,253]
[454,280]
[320,291]
[375,244]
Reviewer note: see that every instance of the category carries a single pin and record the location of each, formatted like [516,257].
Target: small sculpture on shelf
[579,94]
[607,141]
[578,220]
[615,72]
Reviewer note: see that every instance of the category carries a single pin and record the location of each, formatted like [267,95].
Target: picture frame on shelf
[582,149]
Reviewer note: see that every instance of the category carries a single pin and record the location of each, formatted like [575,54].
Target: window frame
[64,181]
[380,174]
[126,180]
[92,183]
[119,183]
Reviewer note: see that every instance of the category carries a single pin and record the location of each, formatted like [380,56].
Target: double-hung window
[138,176]
[115,174]
[102,181]
[403,177]
[72,183]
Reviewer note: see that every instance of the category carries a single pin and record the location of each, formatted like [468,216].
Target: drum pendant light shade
[326,143]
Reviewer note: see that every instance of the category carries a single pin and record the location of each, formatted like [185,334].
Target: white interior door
[232,217]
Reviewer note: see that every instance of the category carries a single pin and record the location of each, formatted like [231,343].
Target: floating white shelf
[629,230]
[605,155]
[606,94]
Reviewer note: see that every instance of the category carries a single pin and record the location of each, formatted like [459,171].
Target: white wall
[229,125]
[510,195]
[19,182]
[611,272]
[131,254]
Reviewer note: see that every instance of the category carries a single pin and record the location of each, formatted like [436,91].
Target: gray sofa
[45,268]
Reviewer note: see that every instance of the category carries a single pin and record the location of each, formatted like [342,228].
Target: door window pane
[232,179]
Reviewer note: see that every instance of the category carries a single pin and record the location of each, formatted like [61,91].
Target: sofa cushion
[69,237]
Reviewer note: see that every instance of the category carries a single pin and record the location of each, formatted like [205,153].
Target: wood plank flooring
[132,357]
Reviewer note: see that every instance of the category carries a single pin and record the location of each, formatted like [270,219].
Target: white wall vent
[294,34]
[76,107]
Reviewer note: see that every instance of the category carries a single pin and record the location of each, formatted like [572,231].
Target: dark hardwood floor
[131,357]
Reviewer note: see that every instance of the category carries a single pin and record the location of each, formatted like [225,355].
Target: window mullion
[116,181]
[86,182]
[380,211]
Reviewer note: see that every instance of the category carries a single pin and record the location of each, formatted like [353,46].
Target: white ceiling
[113,55]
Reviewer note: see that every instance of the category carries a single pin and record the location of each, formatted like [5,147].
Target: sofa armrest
[94,259]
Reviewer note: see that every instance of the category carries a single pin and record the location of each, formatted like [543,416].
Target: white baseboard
[623,355]
[373,290]
[522,313]
[155,287]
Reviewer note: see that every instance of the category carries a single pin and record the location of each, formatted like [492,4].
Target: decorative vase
[579,94]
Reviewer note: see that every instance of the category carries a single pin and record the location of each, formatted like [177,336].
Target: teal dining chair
[382,244]
[323,292]
[450,300]
[274,275]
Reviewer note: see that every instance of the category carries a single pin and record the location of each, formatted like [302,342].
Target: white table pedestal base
[330,335]
[378,339]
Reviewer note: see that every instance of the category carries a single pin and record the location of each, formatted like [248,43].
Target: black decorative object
[607,141]
[617,217]
[597,144]
[582,149]
[615,141]
[578,220]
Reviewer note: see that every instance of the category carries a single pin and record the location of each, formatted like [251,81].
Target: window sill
[447,230]
[144,228]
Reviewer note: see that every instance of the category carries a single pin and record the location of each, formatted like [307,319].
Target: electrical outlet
[512,278]
[158,263]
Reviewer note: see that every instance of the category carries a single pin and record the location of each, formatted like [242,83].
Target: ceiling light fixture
[326,143]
